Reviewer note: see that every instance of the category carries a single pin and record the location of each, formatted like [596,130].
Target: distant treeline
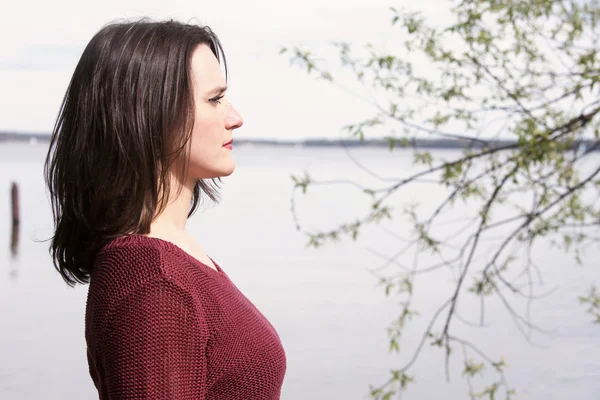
[592,145]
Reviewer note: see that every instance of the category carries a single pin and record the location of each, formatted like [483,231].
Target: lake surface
[325,303]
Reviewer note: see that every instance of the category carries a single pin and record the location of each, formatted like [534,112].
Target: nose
[234,119]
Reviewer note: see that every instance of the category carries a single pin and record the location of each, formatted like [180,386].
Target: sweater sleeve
[155,346]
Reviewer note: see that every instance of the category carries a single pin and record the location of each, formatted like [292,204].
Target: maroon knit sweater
[162,325]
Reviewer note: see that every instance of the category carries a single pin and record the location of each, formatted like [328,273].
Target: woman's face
[215,119]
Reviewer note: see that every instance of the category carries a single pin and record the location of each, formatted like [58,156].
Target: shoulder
[127,265]
[132,260]
[130,274]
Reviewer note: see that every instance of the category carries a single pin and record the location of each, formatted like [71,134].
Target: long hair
[125,120]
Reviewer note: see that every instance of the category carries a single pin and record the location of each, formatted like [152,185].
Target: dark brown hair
[126,118]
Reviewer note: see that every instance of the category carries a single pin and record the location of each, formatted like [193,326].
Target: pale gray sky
[41,42]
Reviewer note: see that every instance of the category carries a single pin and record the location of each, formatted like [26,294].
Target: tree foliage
[518,83]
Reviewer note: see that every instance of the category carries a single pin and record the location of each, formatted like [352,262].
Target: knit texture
[162,325]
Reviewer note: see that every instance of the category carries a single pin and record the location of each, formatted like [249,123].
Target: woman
[144,131]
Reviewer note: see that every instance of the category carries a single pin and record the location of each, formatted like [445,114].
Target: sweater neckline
[164,245]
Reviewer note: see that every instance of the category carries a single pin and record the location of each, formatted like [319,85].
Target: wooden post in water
[14,237]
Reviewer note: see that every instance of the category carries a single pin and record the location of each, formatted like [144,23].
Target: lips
[228,144]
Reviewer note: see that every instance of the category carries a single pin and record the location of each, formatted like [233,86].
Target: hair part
[125,122]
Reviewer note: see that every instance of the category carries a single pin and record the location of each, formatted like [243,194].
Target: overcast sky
[41,42]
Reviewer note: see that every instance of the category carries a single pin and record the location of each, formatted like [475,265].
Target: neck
[171,222]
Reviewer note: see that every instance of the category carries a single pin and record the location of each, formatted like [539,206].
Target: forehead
[206,70]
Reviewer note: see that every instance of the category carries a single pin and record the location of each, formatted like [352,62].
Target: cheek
[208,129]
[206,140]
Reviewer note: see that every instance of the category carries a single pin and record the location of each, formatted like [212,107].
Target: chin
[220,171]
[227,172]
[227,168]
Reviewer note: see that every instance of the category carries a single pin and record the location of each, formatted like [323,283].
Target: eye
[216,100]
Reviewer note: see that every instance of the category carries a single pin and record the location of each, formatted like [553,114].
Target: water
[325,303]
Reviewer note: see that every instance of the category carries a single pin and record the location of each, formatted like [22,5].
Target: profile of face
[214,120]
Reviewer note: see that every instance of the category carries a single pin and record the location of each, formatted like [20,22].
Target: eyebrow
[217,91]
